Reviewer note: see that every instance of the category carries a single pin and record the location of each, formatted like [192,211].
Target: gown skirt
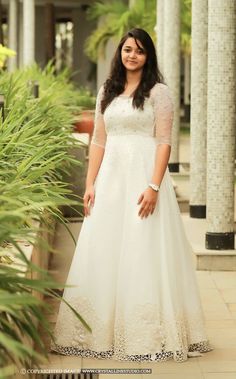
[133,280]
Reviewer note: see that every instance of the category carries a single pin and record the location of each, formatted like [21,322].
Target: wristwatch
[155,187]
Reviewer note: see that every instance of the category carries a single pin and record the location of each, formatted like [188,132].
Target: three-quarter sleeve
[164,114]
[99,133]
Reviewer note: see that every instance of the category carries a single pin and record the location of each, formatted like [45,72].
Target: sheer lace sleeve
[164,113]
[99,133]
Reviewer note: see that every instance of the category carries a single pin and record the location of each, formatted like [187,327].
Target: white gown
[134,279]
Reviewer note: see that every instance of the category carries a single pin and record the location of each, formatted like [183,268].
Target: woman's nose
[132,53]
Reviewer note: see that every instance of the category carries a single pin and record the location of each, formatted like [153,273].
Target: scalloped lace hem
[194,350]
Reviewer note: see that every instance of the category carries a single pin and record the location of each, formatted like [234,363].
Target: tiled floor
[218,294]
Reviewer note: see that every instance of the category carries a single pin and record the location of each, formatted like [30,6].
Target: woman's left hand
[148,200]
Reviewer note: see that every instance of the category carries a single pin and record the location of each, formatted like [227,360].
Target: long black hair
[115,84]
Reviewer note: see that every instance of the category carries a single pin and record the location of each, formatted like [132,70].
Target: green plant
[85,100]
[35,140]
[117,18]
[20,313]
[4,54]
[186,19]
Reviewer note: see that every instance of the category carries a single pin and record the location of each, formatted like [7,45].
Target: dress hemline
[194,350]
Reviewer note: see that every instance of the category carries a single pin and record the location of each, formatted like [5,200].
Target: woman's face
[132,56]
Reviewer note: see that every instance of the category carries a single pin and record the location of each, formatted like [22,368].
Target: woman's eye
[140,52]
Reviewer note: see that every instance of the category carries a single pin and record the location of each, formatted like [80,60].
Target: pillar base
[219,241]
[197,211]
[173,167]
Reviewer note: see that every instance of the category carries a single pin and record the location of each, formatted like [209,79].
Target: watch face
[155,187]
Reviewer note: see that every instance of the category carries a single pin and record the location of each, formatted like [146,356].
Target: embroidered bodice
[120,117]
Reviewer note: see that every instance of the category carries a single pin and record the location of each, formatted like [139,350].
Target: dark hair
[115,84]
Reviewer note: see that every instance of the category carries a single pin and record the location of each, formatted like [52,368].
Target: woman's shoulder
[160,92]
[159,88]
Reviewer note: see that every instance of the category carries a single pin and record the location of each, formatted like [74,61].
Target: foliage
[35,140]
[186,20]
[85,100]
[116,18]
[4,54]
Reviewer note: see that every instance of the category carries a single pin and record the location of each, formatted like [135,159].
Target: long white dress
[134,279]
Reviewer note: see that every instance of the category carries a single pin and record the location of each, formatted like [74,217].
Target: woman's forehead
[131,43]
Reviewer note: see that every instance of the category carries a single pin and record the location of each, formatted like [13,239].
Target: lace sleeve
[99,132]
[164,114]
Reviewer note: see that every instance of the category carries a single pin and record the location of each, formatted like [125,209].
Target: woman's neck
[133,77]
[132,81]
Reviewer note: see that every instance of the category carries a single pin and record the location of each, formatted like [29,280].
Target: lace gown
[134,279]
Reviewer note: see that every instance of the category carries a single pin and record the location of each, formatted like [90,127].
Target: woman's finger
[140,199]
[147,210]
[142,208]
[86,204]
[92,197]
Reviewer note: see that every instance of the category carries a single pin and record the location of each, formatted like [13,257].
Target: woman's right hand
[89,197]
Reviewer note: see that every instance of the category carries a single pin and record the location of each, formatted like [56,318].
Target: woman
[132,271]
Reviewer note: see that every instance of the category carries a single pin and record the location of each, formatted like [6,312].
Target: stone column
[160,34]
[28,32]
[187,85]
[221,124]
[76,18]
[198,109]
[1,19]
[40,51]
[82,66]
[12,33]
[20,36]
[131,3]
[50,31]
[104,62]
[172,71]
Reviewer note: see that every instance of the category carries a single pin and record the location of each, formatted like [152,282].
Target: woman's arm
[95,159]
[163,126]
[161,162]
[96,152]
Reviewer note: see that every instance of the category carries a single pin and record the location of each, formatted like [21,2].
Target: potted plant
[84,119]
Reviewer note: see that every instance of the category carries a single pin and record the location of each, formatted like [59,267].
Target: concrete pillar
[104,63]
[160,34]
[12,33]
[20,36]
[172,71]
[131,3]
[40,30]
[28,32]
[187,76]
[198,109]
[82,66]
[1,17]
[50,31]
[76,15]
[221,124]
